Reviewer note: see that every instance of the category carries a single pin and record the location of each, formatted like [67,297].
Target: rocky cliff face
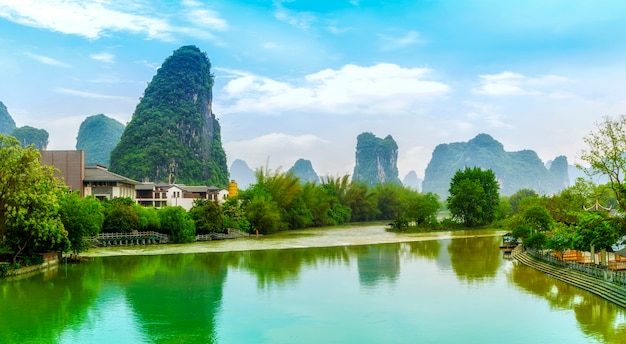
[376,160]
[7,124]
[174,136]
[97,136]
[513,170]
[303,169]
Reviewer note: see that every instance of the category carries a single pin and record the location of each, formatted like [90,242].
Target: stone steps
[604,289]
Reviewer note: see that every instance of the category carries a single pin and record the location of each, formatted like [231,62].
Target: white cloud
[94,19]
[382,89]
[47,60]
[511,84]
[103,57]
[204,17]
[302,20]
[87,94]
[397,42]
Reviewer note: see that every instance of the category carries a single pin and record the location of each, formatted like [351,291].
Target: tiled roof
[101,174]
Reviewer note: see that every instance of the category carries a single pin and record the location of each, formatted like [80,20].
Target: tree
[607,154]
[29,201]
[474,196]
[538,218]
[120,215]
[207,216]
[81,217]
[177,223]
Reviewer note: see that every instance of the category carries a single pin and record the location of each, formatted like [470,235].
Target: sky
[303,78]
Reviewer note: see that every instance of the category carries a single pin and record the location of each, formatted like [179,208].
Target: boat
[508,243]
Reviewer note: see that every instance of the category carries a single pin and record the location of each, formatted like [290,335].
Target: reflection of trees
[176,297]
[475,259]
[279,266]
[37,309]
[428,249]
[377,263]
[596,317]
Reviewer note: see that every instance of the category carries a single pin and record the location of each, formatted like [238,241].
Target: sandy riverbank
[324,237]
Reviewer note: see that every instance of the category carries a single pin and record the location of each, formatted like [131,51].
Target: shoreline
[303,238]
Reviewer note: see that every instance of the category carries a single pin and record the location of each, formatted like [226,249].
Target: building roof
[100,174]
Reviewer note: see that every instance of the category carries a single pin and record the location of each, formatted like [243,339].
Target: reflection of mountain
[475,259]
[180,297]
[51,302]
[597,317]
[377,263]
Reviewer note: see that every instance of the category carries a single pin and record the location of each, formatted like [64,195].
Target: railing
[616,277]
[134,235]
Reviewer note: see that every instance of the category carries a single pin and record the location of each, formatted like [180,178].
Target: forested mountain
[303,169]
[412,181]
[28,135]
[376,160]
[97,136]
[513,170]
[7,124]
[242,174]
[173,135]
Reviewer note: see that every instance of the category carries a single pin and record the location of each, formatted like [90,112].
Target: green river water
[448,290]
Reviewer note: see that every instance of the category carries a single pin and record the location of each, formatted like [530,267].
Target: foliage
[264,215]
[521,231]
[362,202]
[82,218]
[29,201]
[537,218]
[207,216]
[516,198]
[176,222]
[120,216]
[173,136]
[97,136]
[606,154]
[473,196]
[376,160]
[7,124]
[148,218]
[536,240]
[234,215]
[596,230]
[562,238]
[27,135]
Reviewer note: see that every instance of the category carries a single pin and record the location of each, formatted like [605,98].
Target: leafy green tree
[82,218]
[537,218]
[29,201]
[176,222]
[536,240]
[148,218]
[388,196]
[234,215]
[419,208]
[362,202]
[595,230]
[607,154]
[562,238]
[474,196]
[263,215]
[120,216]
[207,216]
[516,198]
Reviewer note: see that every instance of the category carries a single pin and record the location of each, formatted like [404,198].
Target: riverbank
[319,237]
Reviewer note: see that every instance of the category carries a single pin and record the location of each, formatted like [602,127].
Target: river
[355,284]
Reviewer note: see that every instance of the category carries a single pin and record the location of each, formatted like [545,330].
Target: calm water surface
[438,291]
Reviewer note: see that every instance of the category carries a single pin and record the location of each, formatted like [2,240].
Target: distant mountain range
[513,170]
[97,136]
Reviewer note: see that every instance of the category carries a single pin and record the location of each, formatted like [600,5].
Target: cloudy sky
[302,78]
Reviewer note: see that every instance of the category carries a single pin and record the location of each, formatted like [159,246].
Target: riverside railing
[612,276]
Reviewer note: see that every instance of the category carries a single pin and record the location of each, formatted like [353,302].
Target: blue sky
[302,78]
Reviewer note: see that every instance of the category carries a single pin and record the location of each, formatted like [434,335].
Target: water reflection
[180,298]
[475,259]
[596,317]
